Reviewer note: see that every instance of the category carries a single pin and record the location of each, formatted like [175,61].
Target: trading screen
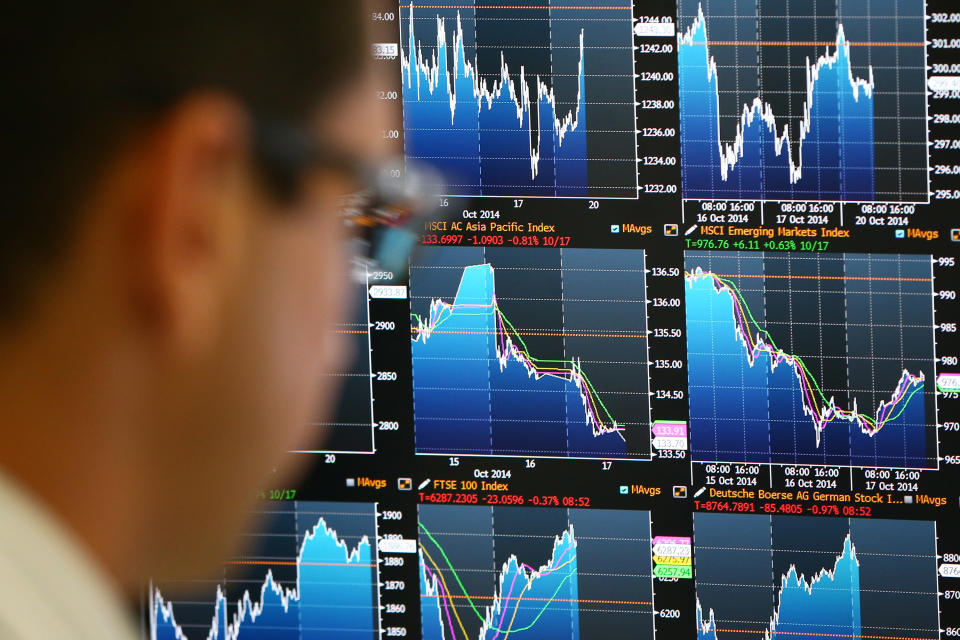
[677,356]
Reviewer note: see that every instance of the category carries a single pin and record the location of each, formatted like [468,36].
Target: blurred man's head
[166,295]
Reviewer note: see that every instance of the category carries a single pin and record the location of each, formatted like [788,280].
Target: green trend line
[824,409]
[506,335]
[469,599]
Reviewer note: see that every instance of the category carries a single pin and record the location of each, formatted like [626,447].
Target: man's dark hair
[79,75]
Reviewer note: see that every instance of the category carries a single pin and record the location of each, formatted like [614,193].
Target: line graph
[817,101]
[312,574]
[811,359]
[491,572]
[498,371]
[822,410]
[526,98]
[804,577]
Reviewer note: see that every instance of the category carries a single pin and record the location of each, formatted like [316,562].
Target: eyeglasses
[386,213]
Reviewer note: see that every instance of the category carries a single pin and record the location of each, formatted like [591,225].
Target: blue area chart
[832,157]
[334,597]
[539,602]
[752,402]
[790,577]
[469,362]
[823,607]
[480,133]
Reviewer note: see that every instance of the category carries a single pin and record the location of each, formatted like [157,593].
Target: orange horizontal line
[351,331]
[830,635]
[546,599]
[757,275]
[500,6]
[291,563]
[810,43]
[542,333]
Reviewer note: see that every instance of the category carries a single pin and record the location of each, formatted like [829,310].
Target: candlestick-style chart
[312,573]
[535,353]
[539,573]
[788,577]
[526,98]
[823,359]
[838,115]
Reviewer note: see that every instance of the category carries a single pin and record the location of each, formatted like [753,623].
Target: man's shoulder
[51,588]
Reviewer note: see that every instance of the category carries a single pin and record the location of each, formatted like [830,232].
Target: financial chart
[838,114]
[497,370]
[676,351]
[783,577]
[559,573]
[528,99]
[803,359]
[312,575]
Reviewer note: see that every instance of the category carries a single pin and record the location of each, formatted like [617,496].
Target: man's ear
[188,217]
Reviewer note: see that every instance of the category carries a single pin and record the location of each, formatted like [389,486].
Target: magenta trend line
[439,585]
[822,410]
[524,565]
[510,346]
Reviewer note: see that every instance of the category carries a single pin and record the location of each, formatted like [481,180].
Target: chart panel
[530,353]
[312,573]
[823,359]
[492,572]
[692,273]
[787,577]
[808,100]
[351,428]
[530,98]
